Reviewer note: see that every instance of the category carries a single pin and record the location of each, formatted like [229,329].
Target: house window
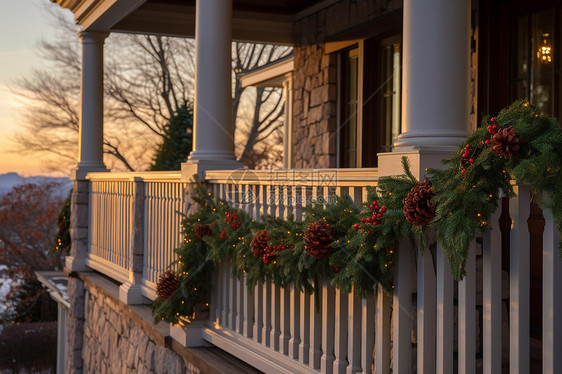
[369,102]
[534,60]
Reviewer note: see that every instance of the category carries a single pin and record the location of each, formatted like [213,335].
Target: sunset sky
[22,25]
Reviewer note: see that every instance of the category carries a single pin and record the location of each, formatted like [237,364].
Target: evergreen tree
[178,139]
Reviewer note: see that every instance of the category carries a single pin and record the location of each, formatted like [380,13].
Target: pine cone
[168,283]
[505,143]
[318,240]
[204,230]
[418,208]
[224,235]
[259,243]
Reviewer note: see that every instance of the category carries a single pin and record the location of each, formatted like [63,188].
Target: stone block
[319,95]
[314,115]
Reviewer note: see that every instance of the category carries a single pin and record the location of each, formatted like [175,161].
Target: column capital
[93,37]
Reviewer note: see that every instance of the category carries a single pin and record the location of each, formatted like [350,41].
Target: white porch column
[435,75]
[213,136]
[90,147]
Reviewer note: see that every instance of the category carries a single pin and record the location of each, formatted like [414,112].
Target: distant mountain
[9,180]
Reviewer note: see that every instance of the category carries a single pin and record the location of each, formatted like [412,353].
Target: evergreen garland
[519,144]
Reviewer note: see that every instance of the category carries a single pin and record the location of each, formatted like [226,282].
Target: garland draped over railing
[354,247]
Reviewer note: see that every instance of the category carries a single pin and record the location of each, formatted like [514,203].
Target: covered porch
[126,225]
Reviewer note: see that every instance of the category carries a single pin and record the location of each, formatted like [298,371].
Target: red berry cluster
[232,219]
[492,127]
[270,250]
[375,218]
[468,157]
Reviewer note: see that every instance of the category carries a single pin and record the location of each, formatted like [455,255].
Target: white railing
[110,226]
[163,208]
[135,217]
[428,325]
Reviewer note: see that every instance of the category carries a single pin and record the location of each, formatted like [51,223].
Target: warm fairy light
[183,302]
[479,214]
[544,54]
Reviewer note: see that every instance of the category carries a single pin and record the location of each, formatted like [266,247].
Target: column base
[430,139]
[199,167]
[130,294]
[190,335]
[82,170]
[390,163]
[74,264]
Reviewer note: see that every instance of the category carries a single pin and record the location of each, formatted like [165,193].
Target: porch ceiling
[253,20]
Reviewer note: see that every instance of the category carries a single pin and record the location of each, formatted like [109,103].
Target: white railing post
[130,292]
[552,298]
[402,311]
[426,313]
[81,220]
[467,315]
[519,278]
[492,296]
[444,314]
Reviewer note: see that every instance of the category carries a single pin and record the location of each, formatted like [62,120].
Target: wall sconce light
[544,54]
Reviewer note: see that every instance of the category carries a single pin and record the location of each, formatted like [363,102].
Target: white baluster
[444,314]
[240,302]
[225,322]
[249,323]
[467,315]
[367,333]
[552,298]
[305,313]
[382,335]
[354,335]
[284,324]
[294,322]
[403,313]
[519,280]
[232,312]
[258,312]
[492,296]
[266,331]
[315,351]
[340,337]
[274,333]
[426,313]
[328,314]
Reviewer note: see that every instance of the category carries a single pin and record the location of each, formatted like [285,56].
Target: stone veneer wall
[314,79]
[102,337]
[113,343]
